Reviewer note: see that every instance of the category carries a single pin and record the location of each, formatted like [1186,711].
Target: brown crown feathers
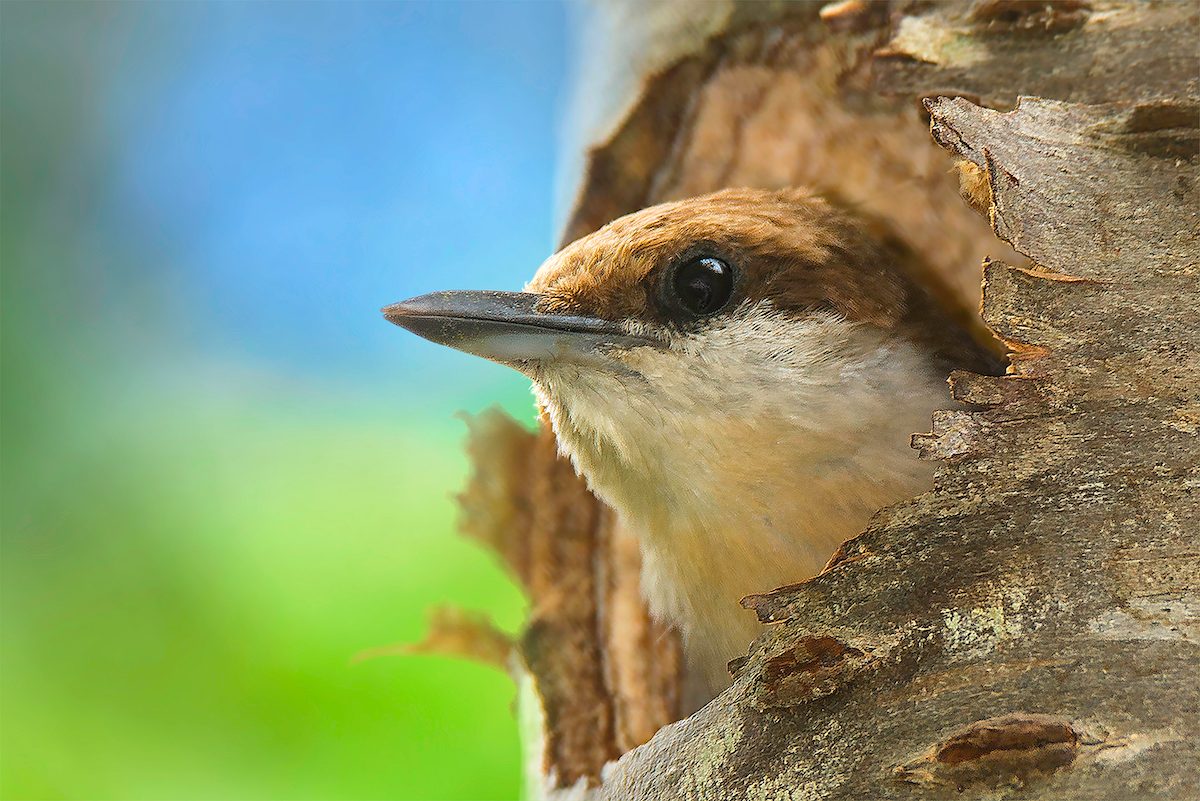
[792,248]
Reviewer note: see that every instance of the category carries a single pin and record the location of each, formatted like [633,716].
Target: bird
[738,376]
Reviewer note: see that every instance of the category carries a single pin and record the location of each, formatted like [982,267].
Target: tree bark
[1032,623]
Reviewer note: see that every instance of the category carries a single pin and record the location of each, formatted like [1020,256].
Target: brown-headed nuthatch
[737,375]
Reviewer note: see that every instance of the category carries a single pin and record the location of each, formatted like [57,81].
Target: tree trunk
[1032,623]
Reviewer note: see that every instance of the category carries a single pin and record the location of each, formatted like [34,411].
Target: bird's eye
[701,287]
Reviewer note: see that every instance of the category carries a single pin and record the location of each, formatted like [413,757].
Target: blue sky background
[288,168]
[313,161]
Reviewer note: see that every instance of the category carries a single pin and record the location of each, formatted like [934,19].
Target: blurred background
[223,473]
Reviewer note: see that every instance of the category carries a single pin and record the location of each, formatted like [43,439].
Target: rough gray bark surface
[1031,628]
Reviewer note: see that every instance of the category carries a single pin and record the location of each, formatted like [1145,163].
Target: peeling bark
[605,676]
[1032,624]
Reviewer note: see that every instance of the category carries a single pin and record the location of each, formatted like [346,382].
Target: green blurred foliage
[182,603]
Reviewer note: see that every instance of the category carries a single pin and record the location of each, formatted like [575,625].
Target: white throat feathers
[744,454]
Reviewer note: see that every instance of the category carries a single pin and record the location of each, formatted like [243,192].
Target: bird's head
[667,342]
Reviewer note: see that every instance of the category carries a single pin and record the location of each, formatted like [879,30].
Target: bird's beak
[506,327]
